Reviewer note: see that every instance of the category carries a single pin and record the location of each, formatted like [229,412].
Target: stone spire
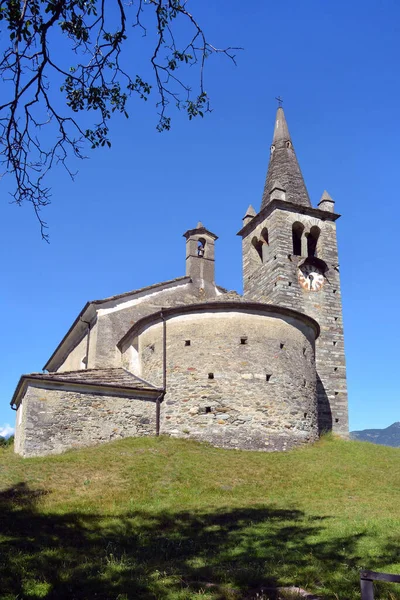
[283,167]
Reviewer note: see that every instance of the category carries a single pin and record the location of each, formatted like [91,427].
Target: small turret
[326,203]
[200,256]
[250,214]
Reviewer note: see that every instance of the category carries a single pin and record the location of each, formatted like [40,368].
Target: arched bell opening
[297,234]
[312,241]
[201,247]
[258,246]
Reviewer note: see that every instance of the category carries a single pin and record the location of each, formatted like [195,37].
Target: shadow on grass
[167,556]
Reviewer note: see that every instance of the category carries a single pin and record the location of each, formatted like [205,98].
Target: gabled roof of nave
[117,302]
[283,166]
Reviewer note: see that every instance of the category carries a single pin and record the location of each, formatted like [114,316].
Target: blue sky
[119,225]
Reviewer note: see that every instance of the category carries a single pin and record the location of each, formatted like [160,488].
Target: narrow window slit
[211,376]
[243,340]
[336,393]
[334,343]
[268,377]
[335,369]
[334,291]
[281,345]
[305,415]
[304,383]
[304,351]
[336,420]
[208,409]
[290,283]
[187,342]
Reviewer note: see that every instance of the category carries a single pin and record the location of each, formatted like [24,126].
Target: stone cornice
[290,207]
[240,305]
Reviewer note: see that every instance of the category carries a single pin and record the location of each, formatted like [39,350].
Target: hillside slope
[178,520]
[390,436]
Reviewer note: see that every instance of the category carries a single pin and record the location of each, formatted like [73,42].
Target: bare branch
[89,78]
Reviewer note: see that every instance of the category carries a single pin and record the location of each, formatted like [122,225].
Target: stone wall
[50,421]
[262,394]
[73,361]
[114,322]
[275,280]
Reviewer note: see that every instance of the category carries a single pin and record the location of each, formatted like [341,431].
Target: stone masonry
[275,280]
[56,420]
[235,378]
[187,358]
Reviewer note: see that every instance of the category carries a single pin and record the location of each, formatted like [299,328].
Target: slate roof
[283,166]
[117,377]
[107,378]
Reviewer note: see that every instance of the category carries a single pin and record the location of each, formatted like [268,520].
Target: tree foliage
[6,442]
[63,60]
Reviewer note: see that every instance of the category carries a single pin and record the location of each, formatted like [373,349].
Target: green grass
[178,520]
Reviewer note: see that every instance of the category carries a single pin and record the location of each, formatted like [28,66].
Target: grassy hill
[177,520]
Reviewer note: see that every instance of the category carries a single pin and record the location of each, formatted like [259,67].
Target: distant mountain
[385,437]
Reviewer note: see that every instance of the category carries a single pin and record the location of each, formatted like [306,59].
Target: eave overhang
[150,393]
[73,336]
[199,231]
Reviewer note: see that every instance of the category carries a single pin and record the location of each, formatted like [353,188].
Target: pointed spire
[250,212]
[283,167]
[281,130]
[326,196]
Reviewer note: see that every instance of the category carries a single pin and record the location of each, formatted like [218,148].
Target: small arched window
[201,245]
[297,234]
[312,241]
[258,244]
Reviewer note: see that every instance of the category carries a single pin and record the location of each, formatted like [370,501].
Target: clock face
[311,278]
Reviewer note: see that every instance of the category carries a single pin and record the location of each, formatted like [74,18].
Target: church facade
[260,371]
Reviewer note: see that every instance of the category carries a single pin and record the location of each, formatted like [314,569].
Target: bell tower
[290,258]
[200,253]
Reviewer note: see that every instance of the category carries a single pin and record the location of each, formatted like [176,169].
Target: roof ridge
[74,371]
[139,290]
[139,378]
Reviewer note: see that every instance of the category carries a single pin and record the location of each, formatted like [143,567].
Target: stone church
[260,371]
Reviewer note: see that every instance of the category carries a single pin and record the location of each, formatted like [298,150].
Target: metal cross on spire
[280,101]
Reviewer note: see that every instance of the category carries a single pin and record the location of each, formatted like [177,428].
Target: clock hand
[311,280]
